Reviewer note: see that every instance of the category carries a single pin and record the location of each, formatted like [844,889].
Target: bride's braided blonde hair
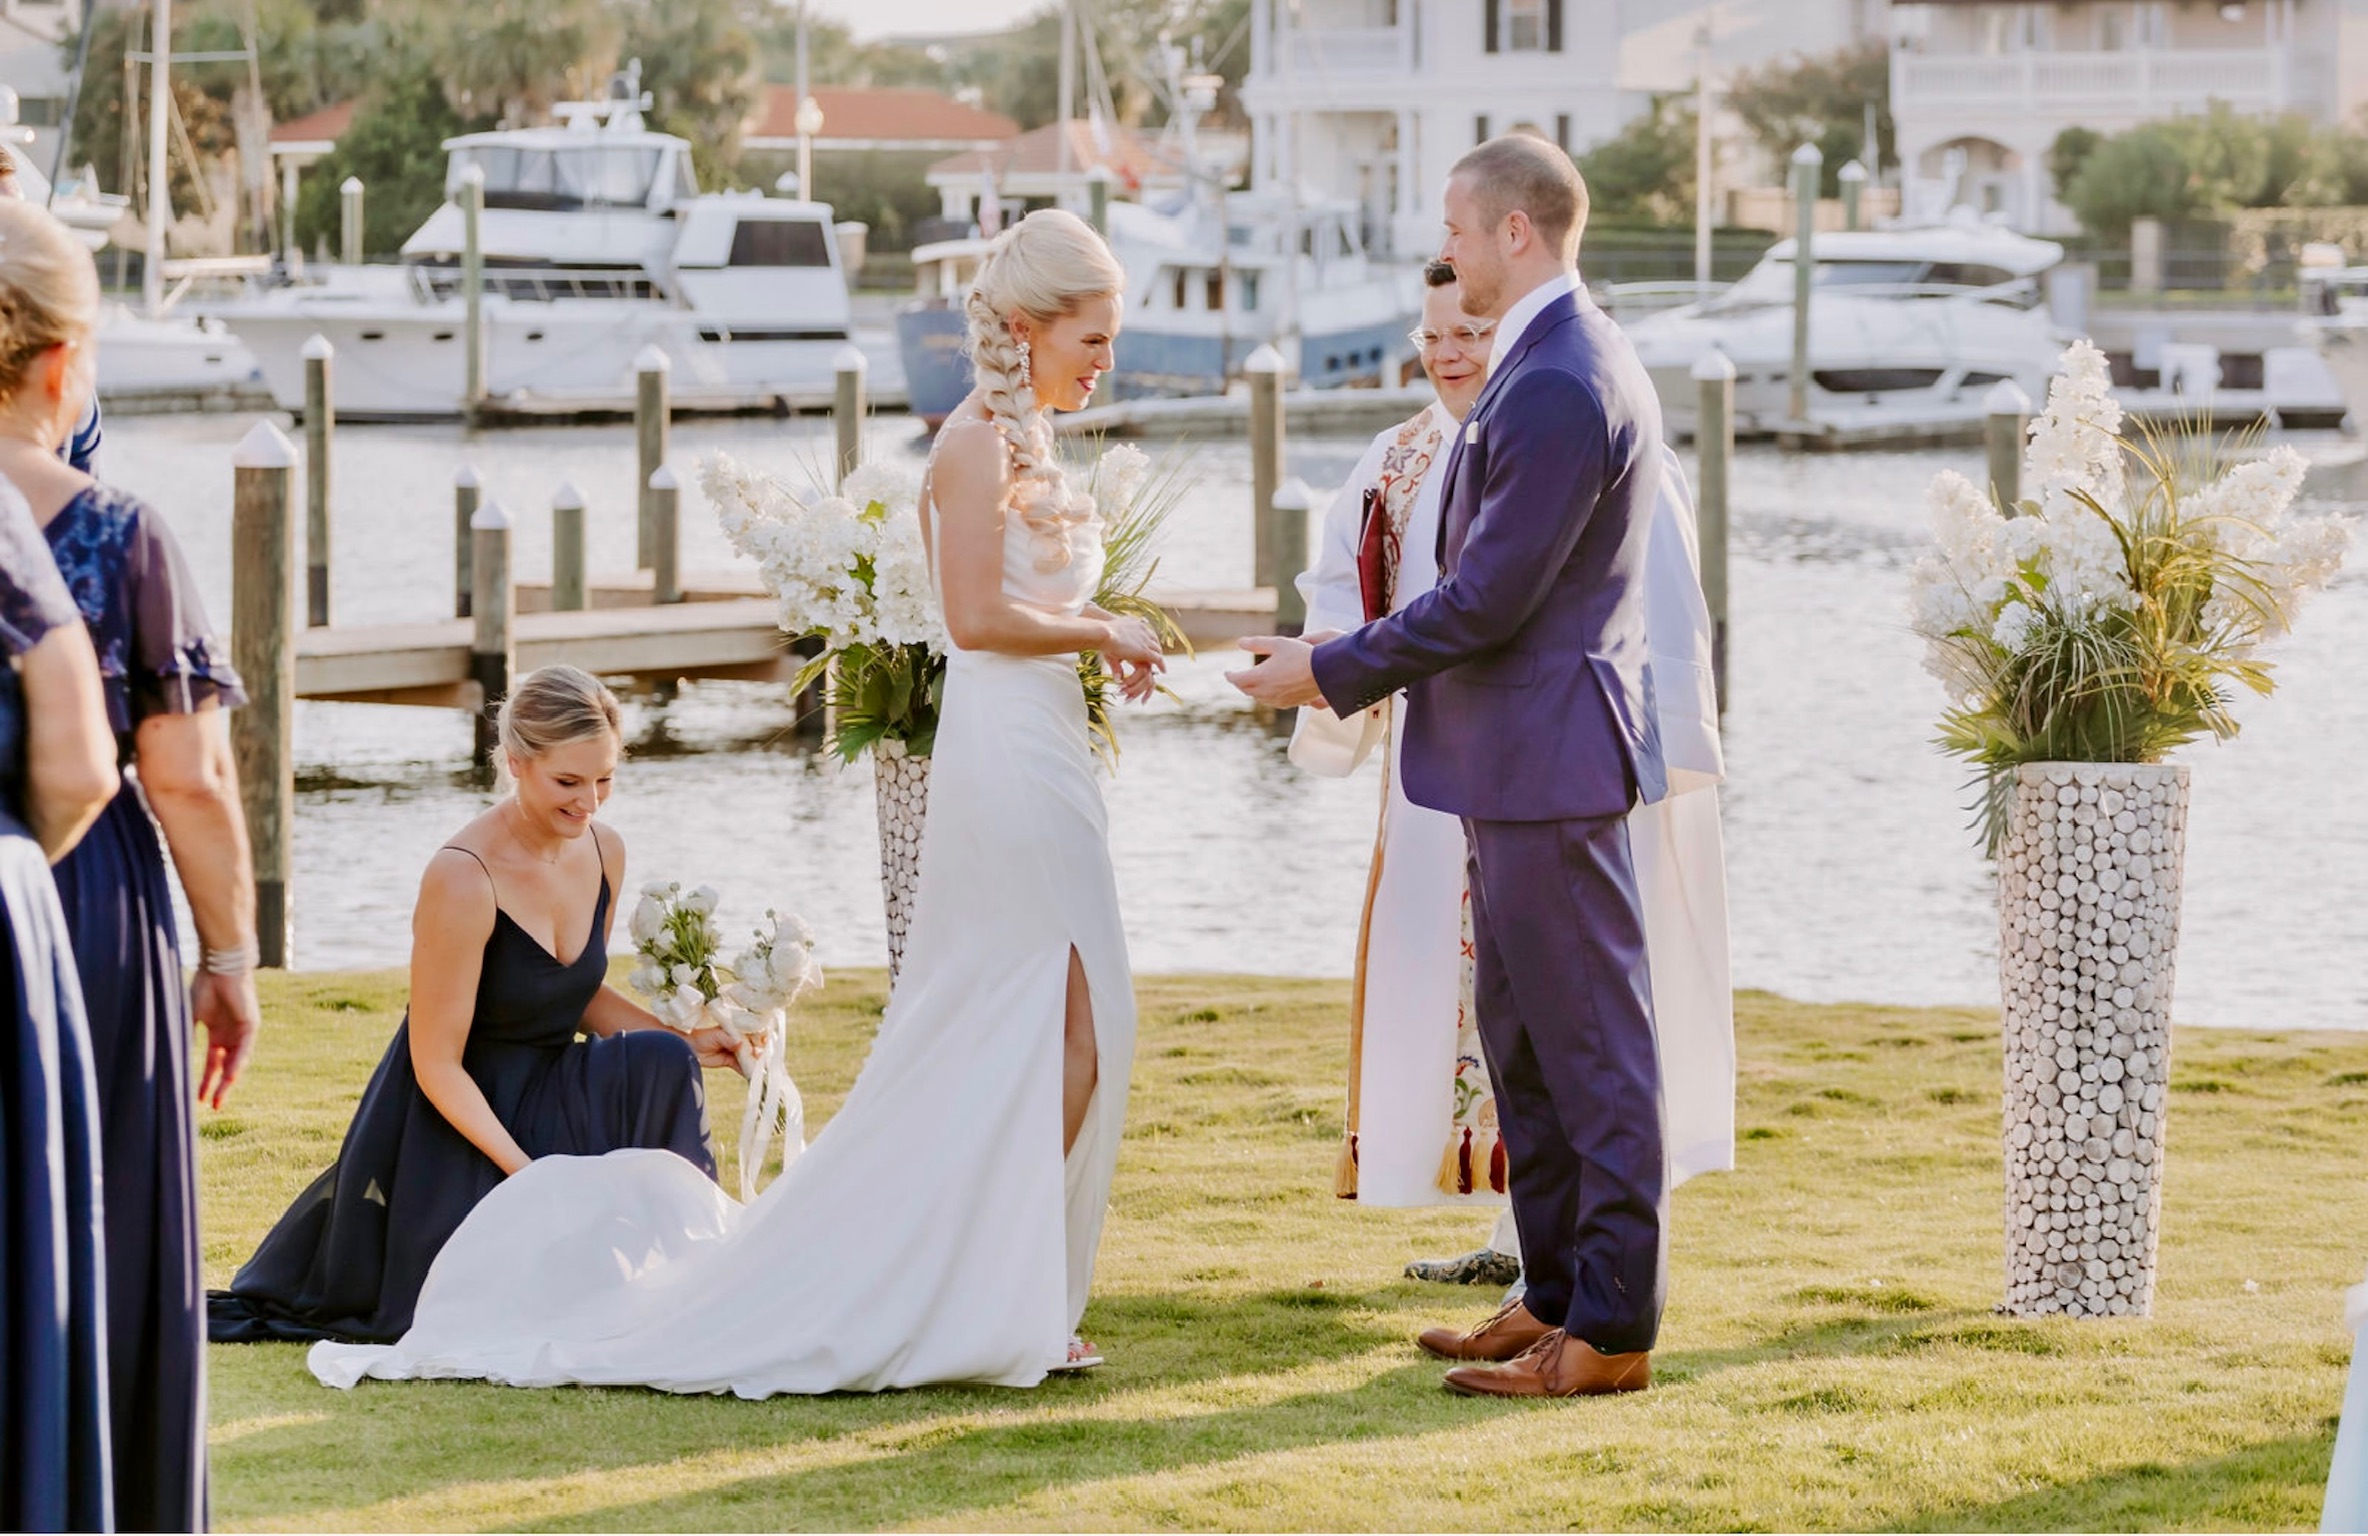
[1042,267]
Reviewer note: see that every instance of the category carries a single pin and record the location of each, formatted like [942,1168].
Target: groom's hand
[1286,678]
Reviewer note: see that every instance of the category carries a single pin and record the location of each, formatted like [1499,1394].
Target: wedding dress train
[933,1232]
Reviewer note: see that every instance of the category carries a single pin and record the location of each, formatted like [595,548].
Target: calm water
[1852,874]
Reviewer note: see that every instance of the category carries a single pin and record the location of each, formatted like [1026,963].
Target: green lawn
[1829,1359]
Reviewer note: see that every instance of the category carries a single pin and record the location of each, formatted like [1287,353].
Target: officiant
[1421,1127]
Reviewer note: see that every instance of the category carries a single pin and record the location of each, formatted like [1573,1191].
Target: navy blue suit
[1530,716]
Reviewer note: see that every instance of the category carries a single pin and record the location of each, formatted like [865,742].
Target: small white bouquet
[691,986]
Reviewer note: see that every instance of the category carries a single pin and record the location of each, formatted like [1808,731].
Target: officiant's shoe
[1512,1330]
[1556,1366]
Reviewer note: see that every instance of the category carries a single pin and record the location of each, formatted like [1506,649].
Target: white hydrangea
[1121,474]
[813,554]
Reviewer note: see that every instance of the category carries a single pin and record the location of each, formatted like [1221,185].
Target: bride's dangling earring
[1027,371]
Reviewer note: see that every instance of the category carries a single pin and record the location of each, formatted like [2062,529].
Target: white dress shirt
[1526,309]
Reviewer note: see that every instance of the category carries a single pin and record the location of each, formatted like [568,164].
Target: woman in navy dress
[57,772]
[509,952]
[167,683]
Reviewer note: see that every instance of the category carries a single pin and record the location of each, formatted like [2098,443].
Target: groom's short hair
[1521,170]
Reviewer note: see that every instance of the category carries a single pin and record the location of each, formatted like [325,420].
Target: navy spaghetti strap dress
[347,1260]
[53,1325]
[156,656]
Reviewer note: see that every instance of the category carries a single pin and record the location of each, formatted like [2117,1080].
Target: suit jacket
[1526,667]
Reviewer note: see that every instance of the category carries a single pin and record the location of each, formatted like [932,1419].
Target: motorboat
[2335,301]
[596,243]
[931,326]
[1909,327]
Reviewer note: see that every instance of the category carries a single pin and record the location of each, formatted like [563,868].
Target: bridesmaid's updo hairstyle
[49,290]
[1043,267]
[555,707]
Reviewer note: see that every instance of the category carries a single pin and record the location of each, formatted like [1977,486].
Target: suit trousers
[1566,1019]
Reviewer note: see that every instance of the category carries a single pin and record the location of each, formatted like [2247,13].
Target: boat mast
[160,195]
[1286,331]
[1068,107]
[1702,166]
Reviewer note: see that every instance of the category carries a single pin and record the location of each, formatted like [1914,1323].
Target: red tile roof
[329,123]
[879,113]
[1038,153]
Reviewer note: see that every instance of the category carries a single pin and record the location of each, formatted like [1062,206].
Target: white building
[33,65]
[1989,86]
[1375,99]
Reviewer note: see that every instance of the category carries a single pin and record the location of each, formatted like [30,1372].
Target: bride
[942,1228]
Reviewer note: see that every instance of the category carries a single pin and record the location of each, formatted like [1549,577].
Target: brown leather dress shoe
[1512,1330]
[1556,1366]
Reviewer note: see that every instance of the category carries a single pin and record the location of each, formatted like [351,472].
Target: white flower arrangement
[690,986]
[2104,617]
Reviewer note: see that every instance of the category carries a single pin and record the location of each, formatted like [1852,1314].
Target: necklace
[518,835]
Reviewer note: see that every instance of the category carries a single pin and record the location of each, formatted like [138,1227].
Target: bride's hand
[1131,643]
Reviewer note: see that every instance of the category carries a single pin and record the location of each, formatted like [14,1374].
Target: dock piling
[472,286]
[2005,423]
[263,649]
[1714,462]
[349,221]
[465,492]
[567,549]
[1808,162]
[1288,531]
[320,425]
[665,493]
[1852,176]
[846,411]
[496,609]
[1264,369]
[653,416]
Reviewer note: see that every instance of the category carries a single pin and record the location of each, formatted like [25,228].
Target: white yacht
[1906,326]
[596,243]
[2336,300]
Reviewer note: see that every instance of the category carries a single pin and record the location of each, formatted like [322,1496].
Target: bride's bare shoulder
[971,466]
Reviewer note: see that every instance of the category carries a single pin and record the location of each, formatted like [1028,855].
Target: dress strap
[481,864]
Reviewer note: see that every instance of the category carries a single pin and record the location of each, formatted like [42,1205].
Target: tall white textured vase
[2088,929]
[900,792]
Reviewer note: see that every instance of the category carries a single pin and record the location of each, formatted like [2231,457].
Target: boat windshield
[596,176]
[1771,281]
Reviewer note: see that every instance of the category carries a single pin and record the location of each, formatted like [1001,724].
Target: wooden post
[1264,368]
[652,421]
[846,411]
[496,607]
[2146,275]
[464,510]
[472,288]
[1852,175]
[1288,530]
[567,549]
[1807,162]
[2006,423]
[1097,185]
[349,220]
[320,424]
[666,520]
[1714,460]
[263,649]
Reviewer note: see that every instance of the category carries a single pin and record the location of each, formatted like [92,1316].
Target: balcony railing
[1323,52]
[2139,83]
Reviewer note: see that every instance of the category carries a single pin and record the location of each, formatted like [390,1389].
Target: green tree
[2068,154]
[2143,173]
[1822,100]
[512,59]
[699,65]
[1646,170]
[396,147]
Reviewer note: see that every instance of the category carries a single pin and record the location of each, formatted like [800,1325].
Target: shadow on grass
[440,1434]
[2275,1483]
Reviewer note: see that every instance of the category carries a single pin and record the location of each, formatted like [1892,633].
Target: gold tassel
[1344,1171]
[1451,1164]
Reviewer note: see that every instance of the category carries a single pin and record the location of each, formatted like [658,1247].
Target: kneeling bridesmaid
[509,951]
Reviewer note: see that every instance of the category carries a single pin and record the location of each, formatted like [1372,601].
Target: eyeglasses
[1471,335]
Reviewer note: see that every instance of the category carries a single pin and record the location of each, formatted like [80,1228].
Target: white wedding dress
[933,1232]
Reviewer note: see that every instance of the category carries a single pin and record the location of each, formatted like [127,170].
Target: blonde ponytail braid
[1041,267]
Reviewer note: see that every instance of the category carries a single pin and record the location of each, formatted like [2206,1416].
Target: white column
[1407,183]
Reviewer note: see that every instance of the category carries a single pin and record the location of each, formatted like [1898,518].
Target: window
[41,111]
[779,243]
[1525,26]
[1562,131]
[2112,29]
[1480,129]
[568,179]
[1216,292]
[1248,285]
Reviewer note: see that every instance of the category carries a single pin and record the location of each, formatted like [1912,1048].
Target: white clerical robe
[1410,967]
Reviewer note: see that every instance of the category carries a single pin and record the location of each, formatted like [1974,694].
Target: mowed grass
[1829,1360]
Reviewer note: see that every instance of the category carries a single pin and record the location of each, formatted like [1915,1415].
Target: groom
[1531,718]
